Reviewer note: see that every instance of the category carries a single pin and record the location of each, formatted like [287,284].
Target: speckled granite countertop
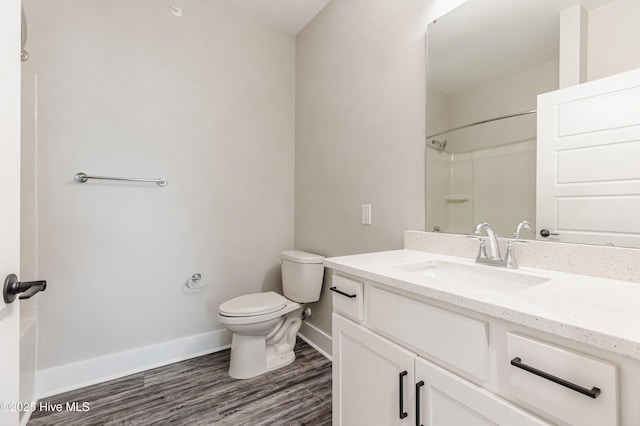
[599,312]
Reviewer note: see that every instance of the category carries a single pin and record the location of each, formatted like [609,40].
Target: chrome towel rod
[518,114]
[83,177]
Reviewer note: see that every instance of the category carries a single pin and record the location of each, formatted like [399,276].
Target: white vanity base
[441,349]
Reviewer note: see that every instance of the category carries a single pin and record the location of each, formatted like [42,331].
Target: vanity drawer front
[538,389]
[459,341]
[347,297]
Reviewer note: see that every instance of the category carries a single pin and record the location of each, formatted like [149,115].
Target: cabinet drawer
[455,339]
[571,386]
[347,297]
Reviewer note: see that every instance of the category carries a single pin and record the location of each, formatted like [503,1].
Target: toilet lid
[252,304]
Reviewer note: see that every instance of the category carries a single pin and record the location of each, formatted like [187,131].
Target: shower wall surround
[487,172]
[205,100]
[468,188]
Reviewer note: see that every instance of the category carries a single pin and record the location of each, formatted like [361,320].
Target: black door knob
[545,233]
[13,287]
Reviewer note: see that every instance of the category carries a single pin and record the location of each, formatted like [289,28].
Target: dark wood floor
[200,392]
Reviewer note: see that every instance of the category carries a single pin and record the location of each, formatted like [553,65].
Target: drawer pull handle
[418,386]
[402,413]
[592,393]
[350,296]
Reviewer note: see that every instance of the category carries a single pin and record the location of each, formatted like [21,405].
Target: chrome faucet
[522,226]
[494,258]
[494,250]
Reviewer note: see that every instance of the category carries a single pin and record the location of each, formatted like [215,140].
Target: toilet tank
[302,274]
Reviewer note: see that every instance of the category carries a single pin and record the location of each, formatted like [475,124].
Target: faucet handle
[478,237]
[509,258]
[482,251]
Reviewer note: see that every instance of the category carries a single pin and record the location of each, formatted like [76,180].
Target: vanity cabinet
[399,359]
[377,382]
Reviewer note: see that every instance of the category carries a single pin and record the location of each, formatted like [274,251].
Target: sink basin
[488,278]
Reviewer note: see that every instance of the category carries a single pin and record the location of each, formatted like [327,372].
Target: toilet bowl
[263,339]
[265,325]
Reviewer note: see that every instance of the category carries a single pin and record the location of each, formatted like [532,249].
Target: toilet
[265,325]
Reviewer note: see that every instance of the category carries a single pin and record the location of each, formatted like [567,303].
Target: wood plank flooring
[200,392]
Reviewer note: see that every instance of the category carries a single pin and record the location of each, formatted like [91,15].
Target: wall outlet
[366,214]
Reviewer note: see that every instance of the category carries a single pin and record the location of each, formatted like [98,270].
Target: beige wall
[205,100]
[613,39]
[360,128]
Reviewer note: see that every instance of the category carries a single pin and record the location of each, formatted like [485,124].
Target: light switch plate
[366,214]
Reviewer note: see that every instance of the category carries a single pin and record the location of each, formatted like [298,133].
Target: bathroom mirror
[485,60]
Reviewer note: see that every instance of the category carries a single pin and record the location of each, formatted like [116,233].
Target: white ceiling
[289,16]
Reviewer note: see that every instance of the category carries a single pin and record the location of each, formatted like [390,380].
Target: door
[372,378]
[445,399]
[588,179]
[9,206]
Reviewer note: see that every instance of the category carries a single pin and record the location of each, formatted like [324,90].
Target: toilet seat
[253,304]
[289,306]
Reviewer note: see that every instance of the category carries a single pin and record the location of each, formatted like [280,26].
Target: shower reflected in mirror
[438,145]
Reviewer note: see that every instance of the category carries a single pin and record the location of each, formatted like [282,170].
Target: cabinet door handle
[402,413]
[350,296]
[592,393]
[418,386]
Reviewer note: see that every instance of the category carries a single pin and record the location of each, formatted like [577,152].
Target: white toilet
[265,325]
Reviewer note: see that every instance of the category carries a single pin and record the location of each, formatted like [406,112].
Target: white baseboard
[316,338]
[26,415]
[68,377]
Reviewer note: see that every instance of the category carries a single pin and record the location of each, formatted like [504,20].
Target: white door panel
[609,107]
[571,163]
[588,179]
[9,206]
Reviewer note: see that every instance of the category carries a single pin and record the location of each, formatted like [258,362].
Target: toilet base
[252,356]
[278,361]
[247,356]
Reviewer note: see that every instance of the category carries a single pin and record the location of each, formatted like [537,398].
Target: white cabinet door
[373,378]
[588,179]
[445,399]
